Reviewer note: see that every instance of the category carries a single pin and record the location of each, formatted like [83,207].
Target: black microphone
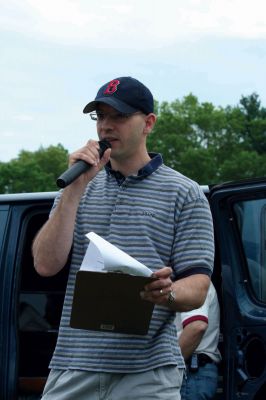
[79,167]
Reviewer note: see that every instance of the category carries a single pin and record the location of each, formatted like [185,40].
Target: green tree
[207,143]
[244,164]
[254,129]
[211,144]
[33,171]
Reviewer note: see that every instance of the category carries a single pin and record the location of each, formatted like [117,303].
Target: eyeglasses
[115,117]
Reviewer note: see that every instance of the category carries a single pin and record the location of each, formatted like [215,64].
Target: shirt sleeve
[199,314]
[193,247]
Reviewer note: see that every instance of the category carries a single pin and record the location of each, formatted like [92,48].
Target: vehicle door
[30,305]
[239,214]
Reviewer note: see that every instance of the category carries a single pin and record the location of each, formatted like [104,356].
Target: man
[154,214]
[198,333]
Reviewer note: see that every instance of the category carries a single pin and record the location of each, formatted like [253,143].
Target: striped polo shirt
[159,217]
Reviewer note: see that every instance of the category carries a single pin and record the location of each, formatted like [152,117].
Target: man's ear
[150,120]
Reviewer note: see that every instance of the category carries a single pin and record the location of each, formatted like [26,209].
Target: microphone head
[104,145]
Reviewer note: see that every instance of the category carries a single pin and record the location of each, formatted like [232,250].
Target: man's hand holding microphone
[87,161]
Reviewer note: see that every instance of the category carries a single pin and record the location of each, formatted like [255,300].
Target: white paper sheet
[103,256]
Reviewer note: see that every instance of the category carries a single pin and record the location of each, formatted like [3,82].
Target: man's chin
[117,155]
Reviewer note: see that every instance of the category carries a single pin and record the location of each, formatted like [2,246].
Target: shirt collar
[154,163]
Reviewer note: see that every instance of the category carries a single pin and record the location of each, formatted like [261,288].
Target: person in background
[156,215]
[198,335]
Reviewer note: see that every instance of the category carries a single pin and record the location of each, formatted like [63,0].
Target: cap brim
[111,101]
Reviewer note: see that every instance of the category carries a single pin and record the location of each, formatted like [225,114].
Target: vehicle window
[40,305]
[251,220]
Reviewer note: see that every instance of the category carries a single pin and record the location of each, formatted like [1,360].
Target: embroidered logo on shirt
[148,213]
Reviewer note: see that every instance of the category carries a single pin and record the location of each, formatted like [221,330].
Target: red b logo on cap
[112,87]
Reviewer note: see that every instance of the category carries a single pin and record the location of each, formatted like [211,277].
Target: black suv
[31,305]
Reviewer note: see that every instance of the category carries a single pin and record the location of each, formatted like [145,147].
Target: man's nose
[106,123]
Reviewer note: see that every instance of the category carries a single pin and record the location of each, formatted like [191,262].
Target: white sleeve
[199,314]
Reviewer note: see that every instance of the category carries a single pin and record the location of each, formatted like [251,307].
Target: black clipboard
[110,302]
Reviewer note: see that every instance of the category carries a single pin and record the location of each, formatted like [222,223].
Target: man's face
[126,135]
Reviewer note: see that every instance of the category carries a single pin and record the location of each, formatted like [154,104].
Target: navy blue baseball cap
[127,95]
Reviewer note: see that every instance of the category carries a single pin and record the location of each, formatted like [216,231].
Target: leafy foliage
[207,143]
[211,144]
[33,171]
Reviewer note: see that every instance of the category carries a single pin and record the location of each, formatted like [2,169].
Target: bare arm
[191,336]
[53,242]
[190,292]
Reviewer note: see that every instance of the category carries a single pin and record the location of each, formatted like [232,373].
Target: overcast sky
[55,54]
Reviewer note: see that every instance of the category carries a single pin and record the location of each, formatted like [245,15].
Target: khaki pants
[158,384]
